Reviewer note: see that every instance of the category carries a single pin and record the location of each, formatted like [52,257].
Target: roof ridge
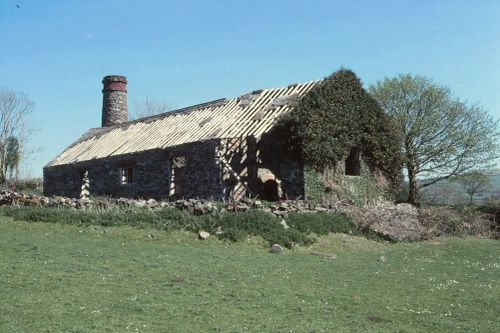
[215,102]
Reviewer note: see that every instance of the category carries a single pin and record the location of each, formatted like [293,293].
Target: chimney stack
[114,100]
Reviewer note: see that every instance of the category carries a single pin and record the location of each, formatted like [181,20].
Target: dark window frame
[353,162]
[126,175]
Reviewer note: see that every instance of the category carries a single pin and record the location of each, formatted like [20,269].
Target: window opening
[126,175]
[353,163]
[177,173]
[179,162]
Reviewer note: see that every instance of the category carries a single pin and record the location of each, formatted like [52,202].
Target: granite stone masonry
[114,100]
[147,174]
[194,206]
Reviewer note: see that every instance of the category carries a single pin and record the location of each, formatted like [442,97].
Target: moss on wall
[330,186]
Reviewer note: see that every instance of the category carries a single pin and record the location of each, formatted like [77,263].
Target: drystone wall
[194,206]
[197,177]
[393,222]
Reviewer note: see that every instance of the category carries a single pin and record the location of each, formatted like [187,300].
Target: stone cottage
[209,150]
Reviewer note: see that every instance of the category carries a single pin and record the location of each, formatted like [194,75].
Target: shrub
[32,186]
[492,209]
[463,220]
[321,223]
[228,226]
[255,222]
[491,206]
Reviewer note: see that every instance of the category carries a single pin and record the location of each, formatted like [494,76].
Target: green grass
[76,278]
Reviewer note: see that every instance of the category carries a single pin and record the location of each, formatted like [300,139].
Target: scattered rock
[280,213]
[140,203]
[276,248]
[242,207]
[396,223]
[283,206]
[283,223]
[330,256]
[198,209]
[29,201]
[152,203]
[246,201]
[202,235]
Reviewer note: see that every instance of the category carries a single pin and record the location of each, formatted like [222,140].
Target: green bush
[259,223]
[321,223]
[228,226]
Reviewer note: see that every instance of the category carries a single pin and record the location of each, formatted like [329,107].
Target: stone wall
[291,174]
[289,170]
[151,176]
[250,158]
[197,173]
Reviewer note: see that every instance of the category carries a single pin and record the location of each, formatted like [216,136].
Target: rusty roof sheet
[250,114]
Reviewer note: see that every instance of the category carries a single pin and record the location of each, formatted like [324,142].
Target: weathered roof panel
[249,114]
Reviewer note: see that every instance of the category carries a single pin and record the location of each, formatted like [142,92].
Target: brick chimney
[114,100]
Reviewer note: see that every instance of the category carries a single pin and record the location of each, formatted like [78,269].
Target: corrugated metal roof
[249,114]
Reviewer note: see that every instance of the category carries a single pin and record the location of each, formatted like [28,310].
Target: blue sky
[188,52]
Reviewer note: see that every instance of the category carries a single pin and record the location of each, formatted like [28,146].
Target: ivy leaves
[337,115]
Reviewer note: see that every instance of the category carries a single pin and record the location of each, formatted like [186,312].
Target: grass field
[63,278]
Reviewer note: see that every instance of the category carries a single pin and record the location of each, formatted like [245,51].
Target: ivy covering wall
[336,116]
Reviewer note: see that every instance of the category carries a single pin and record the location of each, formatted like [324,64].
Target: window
[177,176]
[353,163]
[126,175]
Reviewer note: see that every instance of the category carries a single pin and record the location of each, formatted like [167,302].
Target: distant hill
[446,192]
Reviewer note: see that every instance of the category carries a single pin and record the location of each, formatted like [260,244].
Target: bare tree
[150,107]
[473,182]
[15,109]
[442,136]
